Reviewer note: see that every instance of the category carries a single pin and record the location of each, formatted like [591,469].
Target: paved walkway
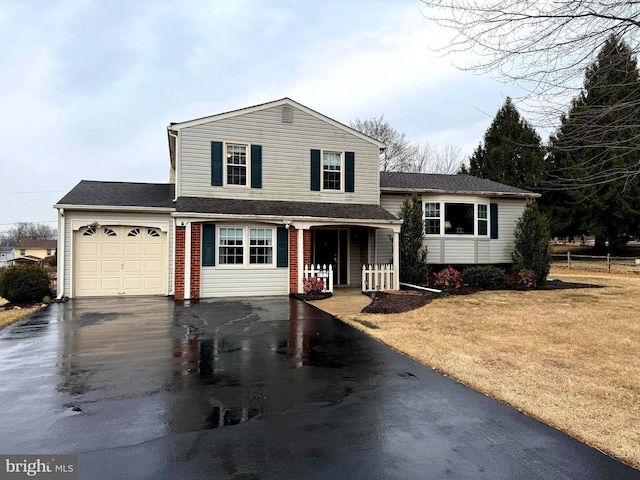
[345,301]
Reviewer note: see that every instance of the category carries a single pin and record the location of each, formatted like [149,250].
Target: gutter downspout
[61,255]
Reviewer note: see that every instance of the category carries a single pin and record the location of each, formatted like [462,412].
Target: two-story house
[33,250]
[258,194]
[254,195]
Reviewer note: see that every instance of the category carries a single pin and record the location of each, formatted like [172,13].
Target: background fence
[594,262]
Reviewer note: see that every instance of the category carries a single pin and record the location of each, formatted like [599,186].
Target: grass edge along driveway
[570,358]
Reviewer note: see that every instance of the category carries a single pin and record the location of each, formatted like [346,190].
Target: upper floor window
[23,251]
[236,164]
[48,252]
[331,171]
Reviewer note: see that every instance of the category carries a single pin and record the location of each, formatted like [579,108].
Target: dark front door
[330,248]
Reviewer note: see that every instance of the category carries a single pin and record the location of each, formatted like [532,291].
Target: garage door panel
[116,263]
[153,249]
[110,249]
[109,266]
[132,249]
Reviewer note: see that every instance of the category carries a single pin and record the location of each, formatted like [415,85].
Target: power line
[41,191]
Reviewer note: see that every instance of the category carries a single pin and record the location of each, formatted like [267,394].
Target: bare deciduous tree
[399,152]
[546,48]
[445,159]
[27,230]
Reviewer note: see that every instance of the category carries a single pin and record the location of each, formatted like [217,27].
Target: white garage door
[117,260]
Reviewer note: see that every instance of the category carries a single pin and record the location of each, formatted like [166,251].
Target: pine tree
[511,152]
[532,244]
[599,140]
[413,254]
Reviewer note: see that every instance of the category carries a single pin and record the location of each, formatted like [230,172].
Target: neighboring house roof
[25,259]
[275,103]
[354,211]
[6,249]
[40,244]
[428,182]
[119,194]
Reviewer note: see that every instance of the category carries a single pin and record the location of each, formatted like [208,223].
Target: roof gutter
[112,208]
[460,192]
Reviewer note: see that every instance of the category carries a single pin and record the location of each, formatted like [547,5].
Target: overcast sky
[87,88]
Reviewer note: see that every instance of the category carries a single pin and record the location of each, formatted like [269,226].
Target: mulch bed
[407,300]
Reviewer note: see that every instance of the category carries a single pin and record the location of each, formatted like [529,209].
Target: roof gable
[429,182]
[275,103]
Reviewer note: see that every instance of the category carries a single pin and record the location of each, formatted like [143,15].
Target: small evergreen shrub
[526,278]
[24,283]
[532,243]
[492,278]
[449,278]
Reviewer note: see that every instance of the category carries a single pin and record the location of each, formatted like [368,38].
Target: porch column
[300,258]
[396,259]
[187,261]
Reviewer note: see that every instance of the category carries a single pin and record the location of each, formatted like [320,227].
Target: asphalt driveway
[255,389]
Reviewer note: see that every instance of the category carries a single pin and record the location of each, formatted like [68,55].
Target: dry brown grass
[8,317]
[570,358]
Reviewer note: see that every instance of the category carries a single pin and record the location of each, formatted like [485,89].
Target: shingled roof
[120,194]
[354,211]
[428,182]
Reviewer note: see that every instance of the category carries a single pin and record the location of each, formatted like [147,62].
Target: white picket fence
[378,277]
[322,272]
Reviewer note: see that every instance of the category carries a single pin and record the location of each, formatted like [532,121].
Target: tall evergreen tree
[511,152]
[599,139]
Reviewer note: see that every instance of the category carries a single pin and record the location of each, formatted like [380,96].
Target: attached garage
[120,260]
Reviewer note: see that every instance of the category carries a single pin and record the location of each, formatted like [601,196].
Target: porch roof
[271,208]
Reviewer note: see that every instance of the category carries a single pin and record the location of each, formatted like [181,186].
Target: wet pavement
[264,388]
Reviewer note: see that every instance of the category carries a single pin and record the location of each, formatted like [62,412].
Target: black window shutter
[349,160]
[216,164]
[283,247]
[494,220]
[315,170]
[208,245]
[256,166]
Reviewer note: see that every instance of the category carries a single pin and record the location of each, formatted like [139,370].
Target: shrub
[312,285]
[24,283]
[449,278]
[413,254]
[492,278]
[532,244]
[527,278]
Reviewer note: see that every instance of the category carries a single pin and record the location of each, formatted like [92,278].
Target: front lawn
[570,358]
[7,317]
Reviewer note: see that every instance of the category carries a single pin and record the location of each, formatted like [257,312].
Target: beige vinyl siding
[435,249]
[243,282]
[355,267]
[285,157]
[74,218]
[509,211]
[392,203]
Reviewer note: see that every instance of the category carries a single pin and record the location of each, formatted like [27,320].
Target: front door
[330,248]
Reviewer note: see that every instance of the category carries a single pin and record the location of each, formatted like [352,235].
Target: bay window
[456,218]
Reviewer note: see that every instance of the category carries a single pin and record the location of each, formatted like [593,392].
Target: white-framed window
[237,161]
[260,246]
[231,246]
[245,246]
[432,218]
[456,218]
[332,170]
[483,219]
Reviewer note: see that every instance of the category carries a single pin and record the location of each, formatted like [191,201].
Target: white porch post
[396,259]
[187,261]
[300,231]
